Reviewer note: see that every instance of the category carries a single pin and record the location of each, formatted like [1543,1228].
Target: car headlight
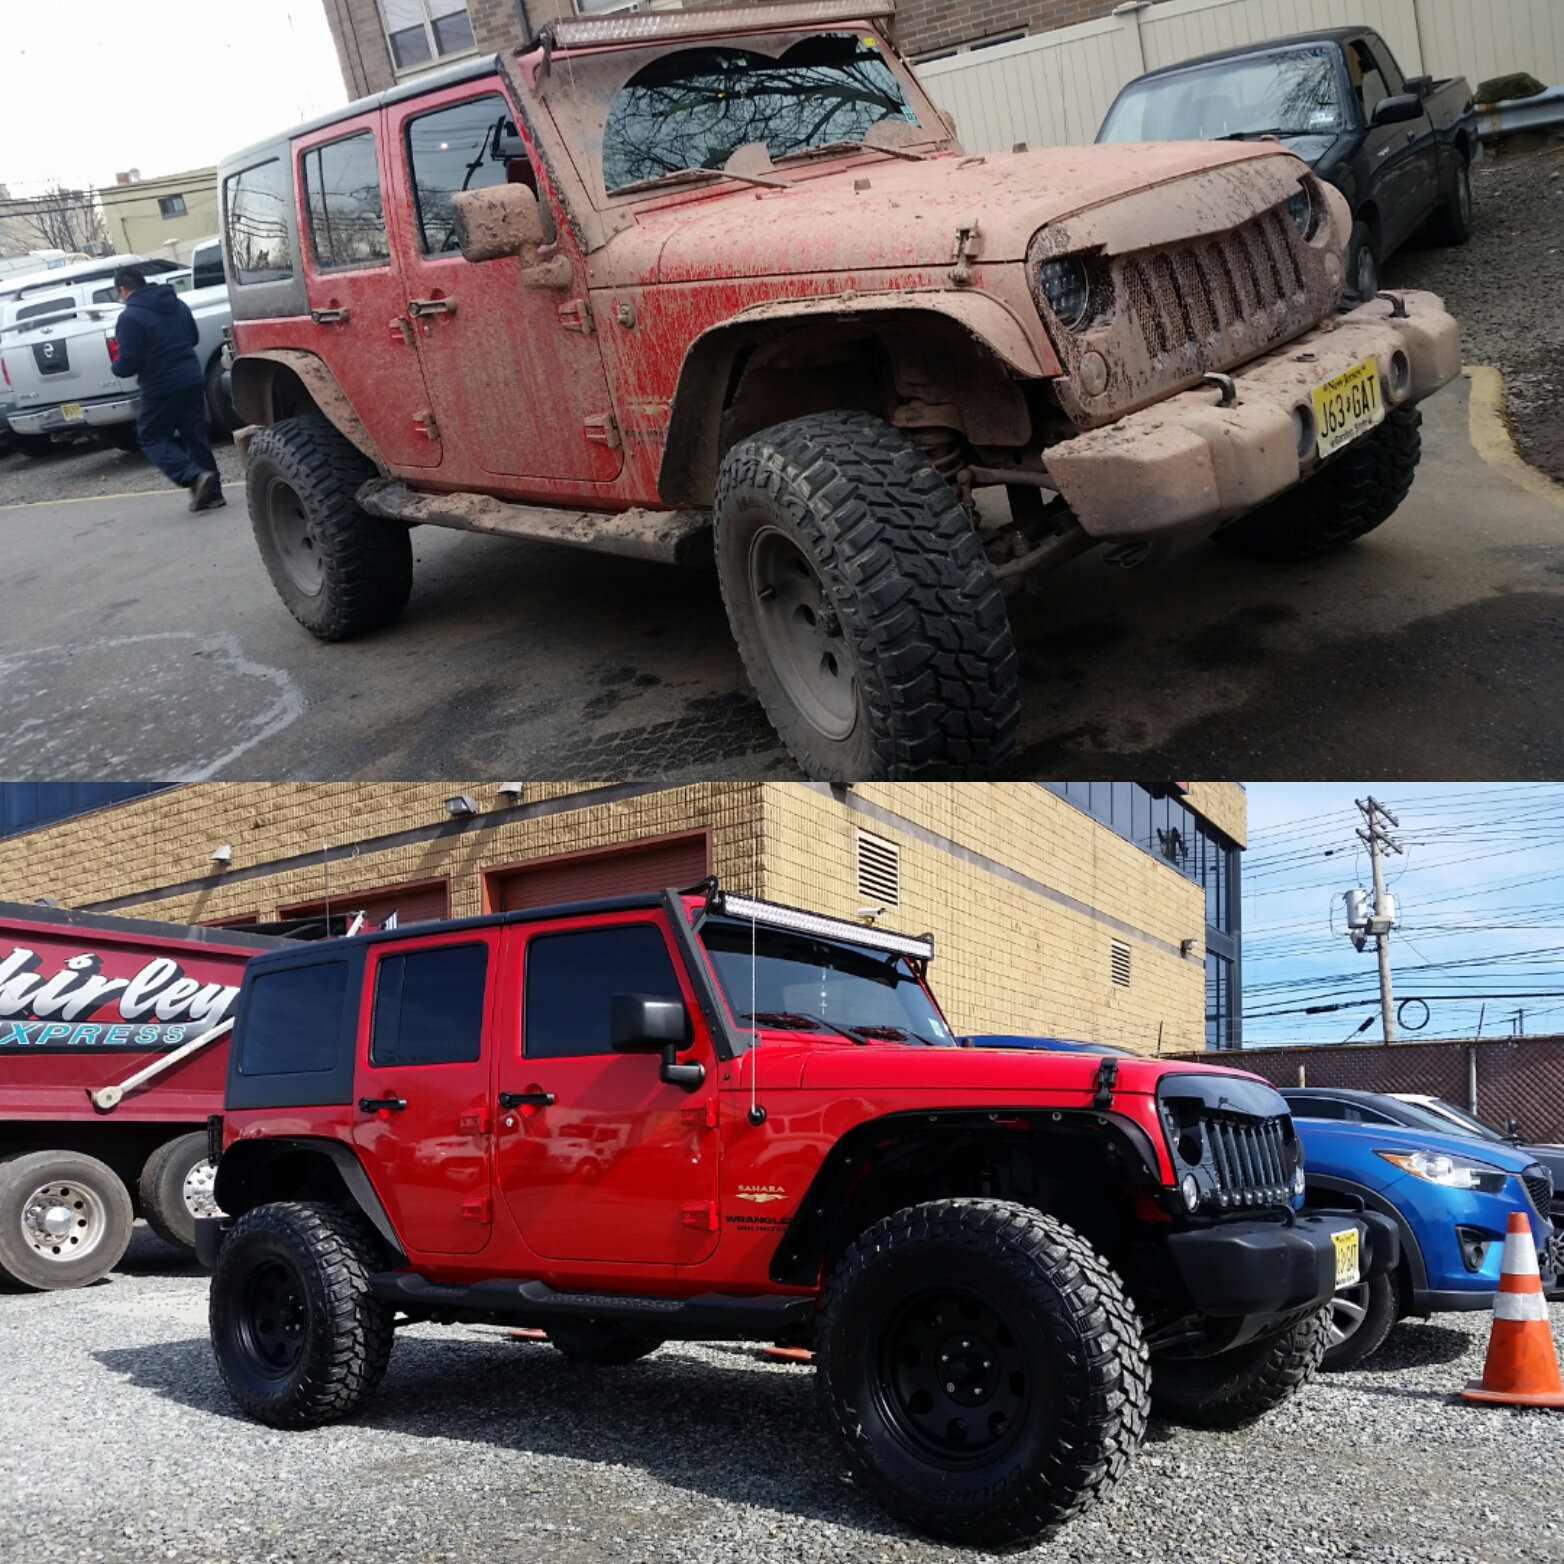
[1297,1181]
[1301,211]
[1452,1172]
[1065,287]
[1189,1188]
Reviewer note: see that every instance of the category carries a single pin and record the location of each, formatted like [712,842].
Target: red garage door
[419,901]
[614,871]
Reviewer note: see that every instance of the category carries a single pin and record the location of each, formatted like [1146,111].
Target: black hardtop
[431,81]
[1336,35]
[188,933]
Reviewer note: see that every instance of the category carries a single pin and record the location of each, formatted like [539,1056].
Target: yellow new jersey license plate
[71,411]
[1346,406]
[1346,1257]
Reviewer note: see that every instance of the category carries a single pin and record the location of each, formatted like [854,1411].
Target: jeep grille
[1248,1158]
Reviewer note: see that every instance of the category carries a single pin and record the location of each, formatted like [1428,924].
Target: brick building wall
[930,26]
[1024,894]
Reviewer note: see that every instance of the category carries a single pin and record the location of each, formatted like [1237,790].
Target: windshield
[1291,92]
[694,108]
[1447,1120]
[802,984]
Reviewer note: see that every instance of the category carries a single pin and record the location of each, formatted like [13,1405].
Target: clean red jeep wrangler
[693,1116]
[723,276]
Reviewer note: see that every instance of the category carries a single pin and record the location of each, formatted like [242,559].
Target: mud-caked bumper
[1265,1268]
[1188,464]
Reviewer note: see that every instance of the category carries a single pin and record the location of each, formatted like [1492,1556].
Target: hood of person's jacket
[157,298]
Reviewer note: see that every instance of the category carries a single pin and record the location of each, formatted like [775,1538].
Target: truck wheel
[1452,222]
[65,1219]
[298,1339]
[340,570]
[605,1345]
[1348,497]
[1234,1389]
[982,1369]
[176,1187]
[863,604]
[1360,1320]
[1362,266]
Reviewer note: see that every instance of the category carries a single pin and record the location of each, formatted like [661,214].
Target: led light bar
[650,26]
[774,917]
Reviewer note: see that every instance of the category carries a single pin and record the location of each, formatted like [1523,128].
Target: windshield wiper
[674,175]
[797,1021]
[1245,135]
[854,146]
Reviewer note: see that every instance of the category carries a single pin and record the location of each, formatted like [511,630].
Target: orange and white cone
[1522,1367]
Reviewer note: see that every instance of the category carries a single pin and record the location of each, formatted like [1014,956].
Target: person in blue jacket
[156,336]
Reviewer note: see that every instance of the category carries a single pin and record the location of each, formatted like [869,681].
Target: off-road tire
[606,1346]
[1234,1389]
[99,1229]
[1346,499]
[340,570]
[928,683]
[1086,1377]
[1364,1337]
[297,1272]
[1362,282]
[1451,223]
[161,1188]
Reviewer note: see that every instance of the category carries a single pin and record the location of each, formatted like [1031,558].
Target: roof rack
[654,26]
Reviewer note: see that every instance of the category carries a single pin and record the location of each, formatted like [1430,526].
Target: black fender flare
[244,1165]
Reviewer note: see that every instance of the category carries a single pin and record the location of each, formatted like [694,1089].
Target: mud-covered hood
[876,214]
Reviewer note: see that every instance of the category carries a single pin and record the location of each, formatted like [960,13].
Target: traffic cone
[1522,1367]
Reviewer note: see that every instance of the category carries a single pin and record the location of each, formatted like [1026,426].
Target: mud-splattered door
[514,371]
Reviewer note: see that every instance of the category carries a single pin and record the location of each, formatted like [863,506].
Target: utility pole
[1379,844]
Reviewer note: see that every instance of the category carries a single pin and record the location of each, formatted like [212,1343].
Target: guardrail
[1541,111]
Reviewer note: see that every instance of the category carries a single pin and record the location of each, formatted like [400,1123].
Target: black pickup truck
[1398,148]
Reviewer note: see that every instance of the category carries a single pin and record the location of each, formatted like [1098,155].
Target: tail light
[113,350]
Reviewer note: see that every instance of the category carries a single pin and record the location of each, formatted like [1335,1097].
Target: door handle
[419,307]
[376,1104]
[526,1099]
[326,317]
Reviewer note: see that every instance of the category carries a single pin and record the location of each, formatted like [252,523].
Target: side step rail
[667,537]
[706,1317]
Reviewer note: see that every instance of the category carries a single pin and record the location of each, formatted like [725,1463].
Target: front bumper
[94,415]
[1253,1268]
[1186,465]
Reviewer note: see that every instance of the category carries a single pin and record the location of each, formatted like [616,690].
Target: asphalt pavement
[141,641]
[119,1444]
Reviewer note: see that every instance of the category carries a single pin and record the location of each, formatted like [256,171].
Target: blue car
[1451,1198]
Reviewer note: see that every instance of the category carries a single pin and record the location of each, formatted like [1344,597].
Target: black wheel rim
[1367,279]
[272,1318]
[293,537]
[802,633]
[954,1382]
[1347,1311]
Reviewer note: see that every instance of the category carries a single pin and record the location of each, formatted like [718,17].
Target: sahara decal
[762,1194]
[155,1003]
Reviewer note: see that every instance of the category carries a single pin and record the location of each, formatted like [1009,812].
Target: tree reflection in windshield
[696,107]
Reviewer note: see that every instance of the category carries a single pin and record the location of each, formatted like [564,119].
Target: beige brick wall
[1225,805]
[1009,958]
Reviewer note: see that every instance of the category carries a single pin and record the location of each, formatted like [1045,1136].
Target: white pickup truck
[57,348]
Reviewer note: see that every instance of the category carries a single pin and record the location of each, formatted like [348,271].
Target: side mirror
[645,1023]
[496,221]
[1391,111]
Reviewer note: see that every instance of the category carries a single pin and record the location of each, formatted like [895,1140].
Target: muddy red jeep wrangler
[695,1116]
[724,276]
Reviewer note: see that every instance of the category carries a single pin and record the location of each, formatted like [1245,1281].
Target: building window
[1119,963]
[171,206]
[423,31]
[879,870]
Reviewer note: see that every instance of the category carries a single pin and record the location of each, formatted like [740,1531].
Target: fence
[1511,1077]
[1052,89]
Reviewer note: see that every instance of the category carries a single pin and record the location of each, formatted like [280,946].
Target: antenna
[325,874]
[757,1114]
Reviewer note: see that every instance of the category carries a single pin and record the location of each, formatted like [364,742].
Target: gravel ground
[118,1442]
[1506,287]
[85,470]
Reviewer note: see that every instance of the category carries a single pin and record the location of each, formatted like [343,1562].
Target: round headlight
[1064,286]
[1297,1181]
[1300,210]
[1189,1188]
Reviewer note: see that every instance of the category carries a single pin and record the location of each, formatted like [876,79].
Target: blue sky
[1480,902]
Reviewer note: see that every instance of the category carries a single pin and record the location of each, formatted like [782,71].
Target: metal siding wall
[1493,38]
[1181,29]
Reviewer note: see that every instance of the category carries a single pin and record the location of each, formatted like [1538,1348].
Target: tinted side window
[256,202]
[1366,77]
[206,266]
[1316,1108]
[459,148]
[293,1020]
[429,1006]
[342,199]
[104,296]
[571,977]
